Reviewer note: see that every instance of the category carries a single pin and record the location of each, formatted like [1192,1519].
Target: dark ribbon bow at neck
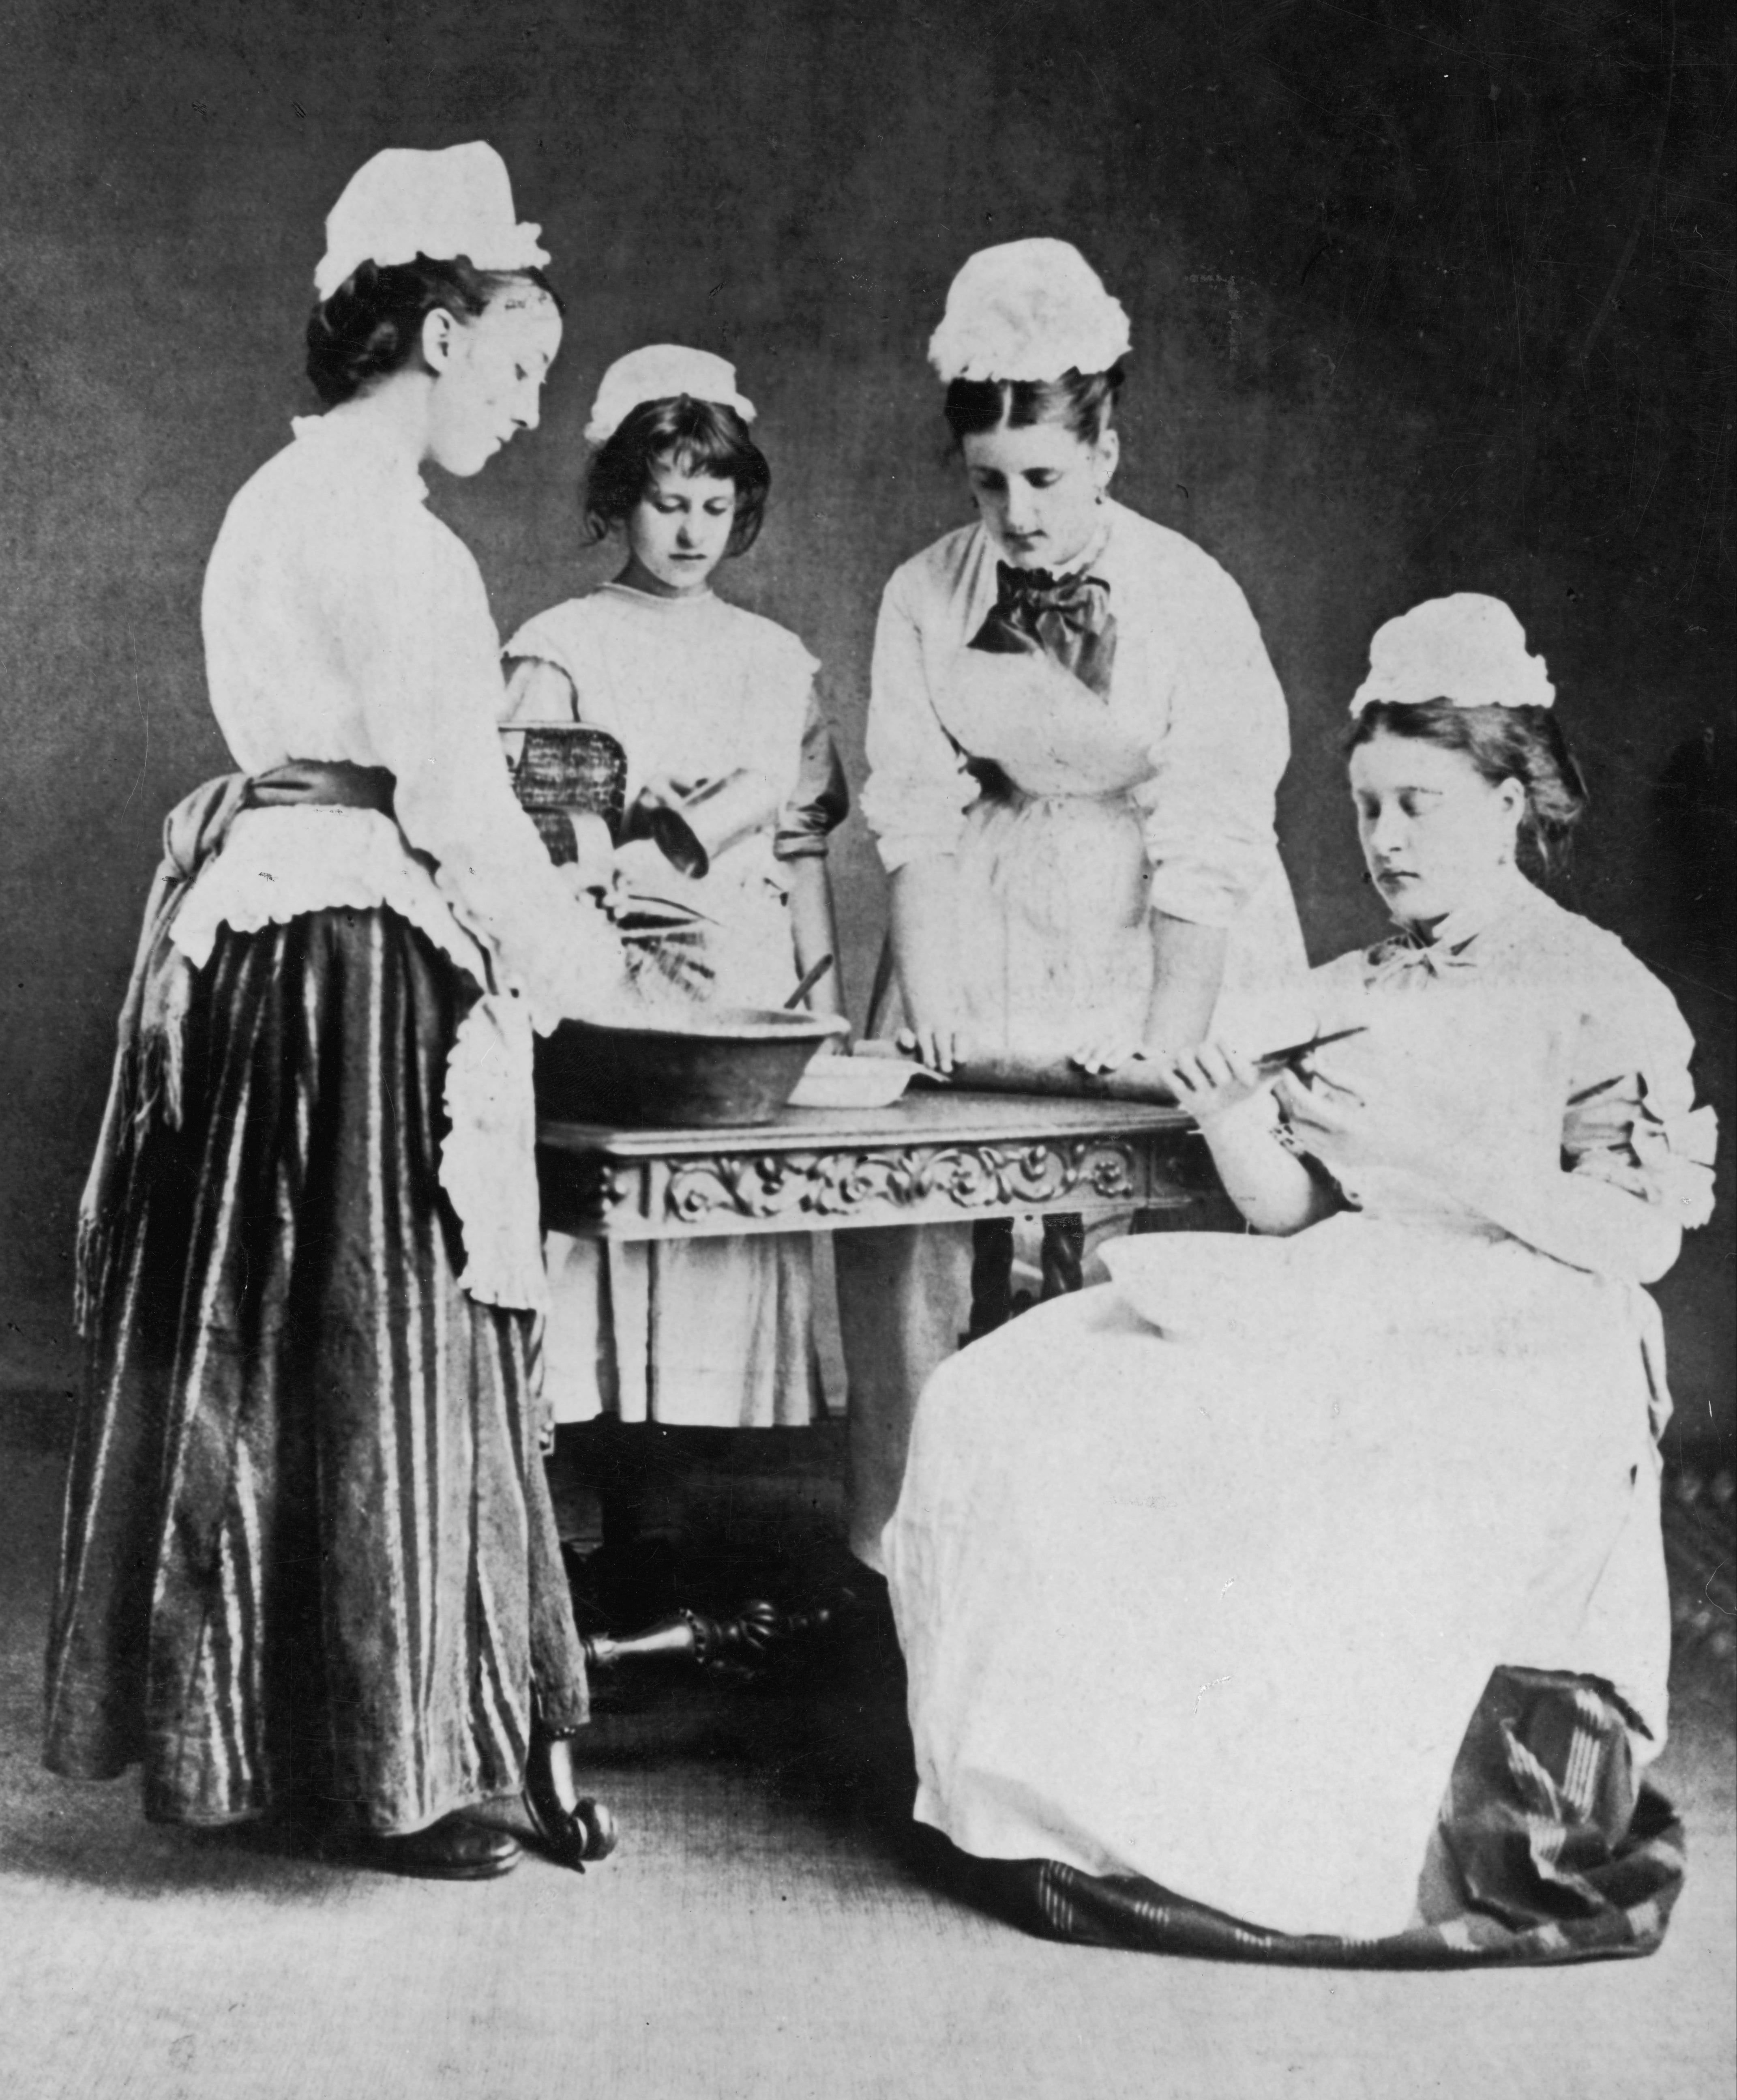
[1067,618]
[1408,954]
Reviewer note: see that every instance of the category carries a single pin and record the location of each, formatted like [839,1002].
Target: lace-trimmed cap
[1029,310]
[404,203]
[1467,649]
[662,371]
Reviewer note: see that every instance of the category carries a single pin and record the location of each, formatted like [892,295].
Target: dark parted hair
[1081,401]
[372,325]
[1525,744]
[695,437]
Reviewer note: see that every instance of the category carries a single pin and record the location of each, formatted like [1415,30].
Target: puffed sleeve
[1631,1119]
[411,617]
[821,799]
[917,789]
[1217,763]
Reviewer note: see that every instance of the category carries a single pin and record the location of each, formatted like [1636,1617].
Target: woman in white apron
[1074,740]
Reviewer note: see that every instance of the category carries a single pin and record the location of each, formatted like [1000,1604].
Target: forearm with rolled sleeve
[1217,764]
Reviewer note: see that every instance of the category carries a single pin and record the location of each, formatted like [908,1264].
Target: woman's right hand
[924,931]
[1212,1081]
[663,791]
[935,1037]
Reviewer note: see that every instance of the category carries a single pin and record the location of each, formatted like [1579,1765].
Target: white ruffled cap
[661,371]
[1468,649]
[1029,310]
[404,203]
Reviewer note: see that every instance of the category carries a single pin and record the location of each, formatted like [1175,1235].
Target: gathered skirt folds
[1209,1617]
[309,1561]
[715,1333]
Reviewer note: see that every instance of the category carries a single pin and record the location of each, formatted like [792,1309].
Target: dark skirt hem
[1548,1854]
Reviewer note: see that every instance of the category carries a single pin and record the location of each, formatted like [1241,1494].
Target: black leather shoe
[572,1827]
[455,1849]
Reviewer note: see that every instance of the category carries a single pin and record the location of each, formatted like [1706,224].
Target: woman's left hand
[1187,970]
[1109,1049]
[1364,1125]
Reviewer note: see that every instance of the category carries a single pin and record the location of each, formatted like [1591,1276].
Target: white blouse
[344,622]
[1194,731]
[1540,1040]
[691,686]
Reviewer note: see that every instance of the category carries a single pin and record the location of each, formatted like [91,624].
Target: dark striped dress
[310,1564]
[309,1557]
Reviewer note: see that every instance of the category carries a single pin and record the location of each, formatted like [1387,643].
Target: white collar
[673,601]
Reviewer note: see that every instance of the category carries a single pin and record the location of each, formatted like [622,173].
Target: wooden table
[932,1159]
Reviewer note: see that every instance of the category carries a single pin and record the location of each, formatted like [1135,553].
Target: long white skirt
[1217,1612]
[710,1334]
[695,1333]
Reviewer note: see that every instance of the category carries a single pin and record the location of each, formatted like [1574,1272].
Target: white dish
[852,1083]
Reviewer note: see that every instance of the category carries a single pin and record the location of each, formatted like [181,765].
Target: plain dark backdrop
[1425,297]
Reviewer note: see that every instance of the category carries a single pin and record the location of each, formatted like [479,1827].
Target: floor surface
[772,1925]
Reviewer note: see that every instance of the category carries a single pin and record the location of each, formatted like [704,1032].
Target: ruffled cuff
[1667,1160]
[821,803]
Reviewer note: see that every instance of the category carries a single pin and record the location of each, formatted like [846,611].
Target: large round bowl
[719,1066]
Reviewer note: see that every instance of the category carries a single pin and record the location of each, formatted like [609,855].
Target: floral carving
[970,1177]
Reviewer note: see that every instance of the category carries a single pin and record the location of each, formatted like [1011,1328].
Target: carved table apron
[932,1159]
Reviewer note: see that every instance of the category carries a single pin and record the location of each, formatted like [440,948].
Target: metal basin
[720,1065]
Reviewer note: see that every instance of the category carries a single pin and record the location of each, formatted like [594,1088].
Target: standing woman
[309,1566]
[714,1333]
[1074,738]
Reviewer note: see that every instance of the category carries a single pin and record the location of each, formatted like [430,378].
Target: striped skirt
[309,1562]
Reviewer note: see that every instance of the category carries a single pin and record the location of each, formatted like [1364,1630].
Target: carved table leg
[991,1277]
[740,1644]
[1064,1253]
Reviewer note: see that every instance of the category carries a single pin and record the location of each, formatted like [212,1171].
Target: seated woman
[1305,1589]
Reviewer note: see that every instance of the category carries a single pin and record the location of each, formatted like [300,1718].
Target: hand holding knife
[1293,1053]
